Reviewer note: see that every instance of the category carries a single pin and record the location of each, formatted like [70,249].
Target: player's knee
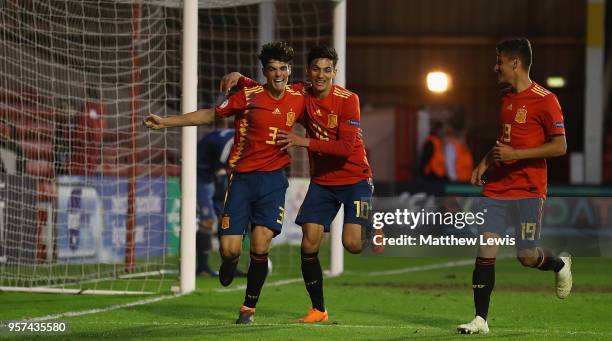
[487,251]
[528,258]
[260,246]
[310,245]
[353,246]
[311,237]
[259,249]
[229,254]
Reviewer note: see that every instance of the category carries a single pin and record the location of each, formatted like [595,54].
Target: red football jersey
[529,119]
[337,153]
[257,119]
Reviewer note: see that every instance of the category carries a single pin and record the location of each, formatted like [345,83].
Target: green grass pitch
[414,304]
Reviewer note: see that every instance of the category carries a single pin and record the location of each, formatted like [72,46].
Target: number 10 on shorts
[362,209]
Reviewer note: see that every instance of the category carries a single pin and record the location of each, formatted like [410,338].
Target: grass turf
[415,304]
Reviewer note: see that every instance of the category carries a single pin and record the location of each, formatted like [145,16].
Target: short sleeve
[553,117]
[351,114]
[236,102]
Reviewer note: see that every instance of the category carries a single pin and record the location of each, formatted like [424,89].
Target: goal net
[90,199]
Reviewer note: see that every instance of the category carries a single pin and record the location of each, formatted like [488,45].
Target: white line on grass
[242,287]
[422,268]
[103,310]
[272,284]
[374,273]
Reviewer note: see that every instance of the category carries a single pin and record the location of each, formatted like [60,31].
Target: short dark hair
[278,50]
[516,48]
[322,51]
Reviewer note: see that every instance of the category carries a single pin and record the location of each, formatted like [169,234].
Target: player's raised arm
[233,79]
[194,118]
[236,79]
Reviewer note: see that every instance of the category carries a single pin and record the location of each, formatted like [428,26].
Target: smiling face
[277,75]
[321,73]
[506,67]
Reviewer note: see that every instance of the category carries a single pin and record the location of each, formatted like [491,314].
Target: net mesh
[76,79]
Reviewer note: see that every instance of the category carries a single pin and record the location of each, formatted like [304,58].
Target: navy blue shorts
[523,216]
[255,198]
[321,204]
[207,207]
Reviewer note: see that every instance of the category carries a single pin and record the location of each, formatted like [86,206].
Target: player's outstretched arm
[557,146]
[194,118]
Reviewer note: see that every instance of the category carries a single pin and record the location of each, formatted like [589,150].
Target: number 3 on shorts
[281,215]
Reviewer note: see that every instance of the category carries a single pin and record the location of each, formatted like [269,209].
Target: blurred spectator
[213,152]
[457,157]
[11,155]
[432,166]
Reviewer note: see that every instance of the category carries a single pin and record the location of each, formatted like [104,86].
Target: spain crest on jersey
[290,118]
[225,222]
[332,121]
[521,115]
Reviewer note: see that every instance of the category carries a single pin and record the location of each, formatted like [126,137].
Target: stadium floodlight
[437,81]
[555,82]
[98,209]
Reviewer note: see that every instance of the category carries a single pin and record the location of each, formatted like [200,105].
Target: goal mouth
[90,200]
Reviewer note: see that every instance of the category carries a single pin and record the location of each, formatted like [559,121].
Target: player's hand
[229,81]
[503,152]
[477,174]
[154,122]
[290,139]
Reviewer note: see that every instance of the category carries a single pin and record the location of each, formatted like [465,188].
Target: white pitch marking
[103,310]
[422,268]
[242,287]
[272,284]
[375,273]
